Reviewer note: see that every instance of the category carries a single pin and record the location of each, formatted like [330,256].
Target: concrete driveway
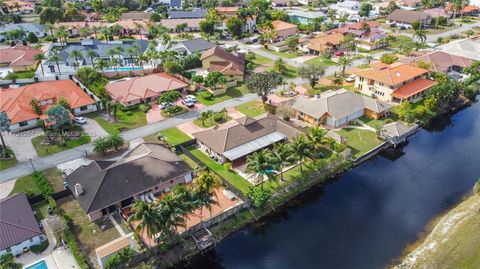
[93,129]
[21,143]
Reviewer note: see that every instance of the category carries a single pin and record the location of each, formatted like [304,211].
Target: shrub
[338,147]
[144,108]
[218,117]
[129,113]
[39,248]
[82,260]
[259,196]
[42,183]
[207,95]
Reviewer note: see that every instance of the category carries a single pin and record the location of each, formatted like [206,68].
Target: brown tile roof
[18,56]
[105,183]
[16,102]
[355,26]
[440,60]
[221,140]
[135,15]
[323,41]
[393,74]
[144,87]
[232,64]
[17,221]
[413,88]
[281,25]
[172,23]
[407,16]
[226,10]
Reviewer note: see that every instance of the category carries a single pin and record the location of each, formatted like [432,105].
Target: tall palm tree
[207,182]
[130,52]
[283,157]
[344,62]
[148,217]
[118,51]
[62,34]
[56,59]
[421,35]
[135,48]
[76,54]
[301,149]
[91,54]
[260,165]
[315,136]
[39,58]
[84,32]
[102,64]
[105,31]
[172,213]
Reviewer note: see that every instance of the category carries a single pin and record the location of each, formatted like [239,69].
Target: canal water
[367,216]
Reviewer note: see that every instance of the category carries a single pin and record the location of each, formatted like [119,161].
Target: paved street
[433,38]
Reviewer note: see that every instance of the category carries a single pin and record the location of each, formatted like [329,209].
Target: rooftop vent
[397,74]
[78,189]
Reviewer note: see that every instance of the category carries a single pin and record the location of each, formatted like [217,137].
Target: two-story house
[230,64]
[395,83]
[368,34]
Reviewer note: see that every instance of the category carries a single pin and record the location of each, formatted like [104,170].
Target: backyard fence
[56,196]
[88,91]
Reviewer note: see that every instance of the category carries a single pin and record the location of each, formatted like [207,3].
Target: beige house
[284,30]
[396,83]
[230,64]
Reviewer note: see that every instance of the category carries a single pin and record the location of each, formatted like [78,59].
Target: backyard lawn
[322,61]
[88,234]
[285,54]
[124,121]
[251,109]
[379,122]
[41,209]
[174,136]
[45,150]
[232,92]
[360,141]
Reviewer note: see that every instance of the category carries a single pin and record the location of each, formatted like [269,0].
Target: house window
[83,108]
[31,240]
[23,123]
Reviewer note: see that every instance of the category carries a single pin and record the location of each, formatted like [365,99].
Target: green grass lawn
[5,164]
[261,60]
[251,109]
[210,122]
[20,75]
[285,54]
[124,121]
[360,141]
[379,122]
[233,178]
[399,41]
[27,184]
[41,209]
[322,61]
[174,136]
[232,92]
[291,71]
[45,150]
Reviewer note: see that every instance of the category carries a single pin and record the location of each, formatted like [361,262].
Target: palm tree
[315,136]
[105,31]
[147,216]
[421,34]
[76,54]
[100,145]
[56,59]
[172,213]
[102,64]
[62,34]
[91,54]
[115,140]
[344,62]
[84,32]
[301,149]
[259,165]
[135,48]
[39,58]
[118,51]
[283,157]
[139,28]
[207,182]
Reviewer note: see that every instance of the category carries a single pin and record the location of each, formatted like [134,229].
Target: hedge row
[82,260]
[42,183]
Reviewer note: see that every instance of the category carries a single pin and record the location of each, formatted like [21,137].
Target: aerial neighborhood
[137,133]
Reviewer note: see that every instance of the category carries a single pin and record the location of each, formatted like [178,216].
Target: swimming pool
[120,69]
[39,265]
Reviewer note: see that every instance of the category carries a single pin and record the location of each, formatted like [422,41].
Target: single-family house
[68,64]
[193,25]
[173,4]
[27,27]
[395,83]
[187,14]
[192,46]
[367,33]
[467,48]
[437,12]
[135,16]
[144,173]
[468,10]
[409,4]
[18,58]
[19,7]
[230,64]
[406,18]
[304,17]
[284,30]
[337,108]
[440,61]
[73,28]
[132,91]
[349,8]
[227,11]
[325,43]
[234,143]
[19,229]
[16,102]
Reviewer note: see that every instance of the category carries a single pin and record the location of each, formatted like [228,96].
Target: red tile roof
[232,64]
[281,25]
[393,74]
[16,102]
[18,56]
[413,88]
[144,87]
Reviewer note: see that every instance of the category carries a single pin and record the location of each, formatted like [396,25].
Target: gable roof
[392,74]
[323,41]
[407,16]
[16,102]
[17,222]
[441,61]
[338,104]
[395,129]
[108,182]
[248,130]
[18,56]
[197,44]
[143,87]
[232,63]
[279,25]
[185,14]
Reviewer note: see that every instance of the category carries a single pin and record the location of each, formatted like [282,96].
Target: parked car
[188,103]
[191,98]
[339,53]
[80,120]
[351,78]
[165,105]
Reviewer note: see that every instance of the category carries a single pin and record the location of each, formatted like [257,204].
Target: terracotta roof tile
[18,56]
[281,25]
[413,88]
[393,74]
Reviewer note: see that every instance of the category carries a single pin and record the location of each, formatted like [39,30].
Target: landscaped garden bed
[210,118]
[173,111]
[45,148]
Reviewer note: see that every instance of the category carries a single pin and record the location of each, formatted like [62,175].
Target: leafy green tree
[59,117]
[260,165]
[7,261]
[388,58]
[63,102]
[169,97]
[213,79]
[311,72]
[292,42]
[259,196]
[120,258]
[365,9]
[173,67]
[301,149]
[235,27]
[263,83]
[32,38]
[280,66]
[51,15]
[88,75]
[207,27]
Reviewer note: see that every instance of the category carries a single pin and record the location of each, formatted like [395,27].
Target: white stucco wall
[30,124]
[91,108]
[18,249]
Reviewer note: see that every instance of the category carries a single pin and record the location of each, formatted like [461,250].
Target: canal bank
[366,217]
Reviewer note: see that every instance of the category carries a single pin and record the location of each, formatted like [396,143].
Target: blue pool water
[38,265]
[126,69]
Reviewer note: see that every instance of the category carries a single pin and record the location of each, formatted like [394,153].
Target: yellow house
[230,64]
